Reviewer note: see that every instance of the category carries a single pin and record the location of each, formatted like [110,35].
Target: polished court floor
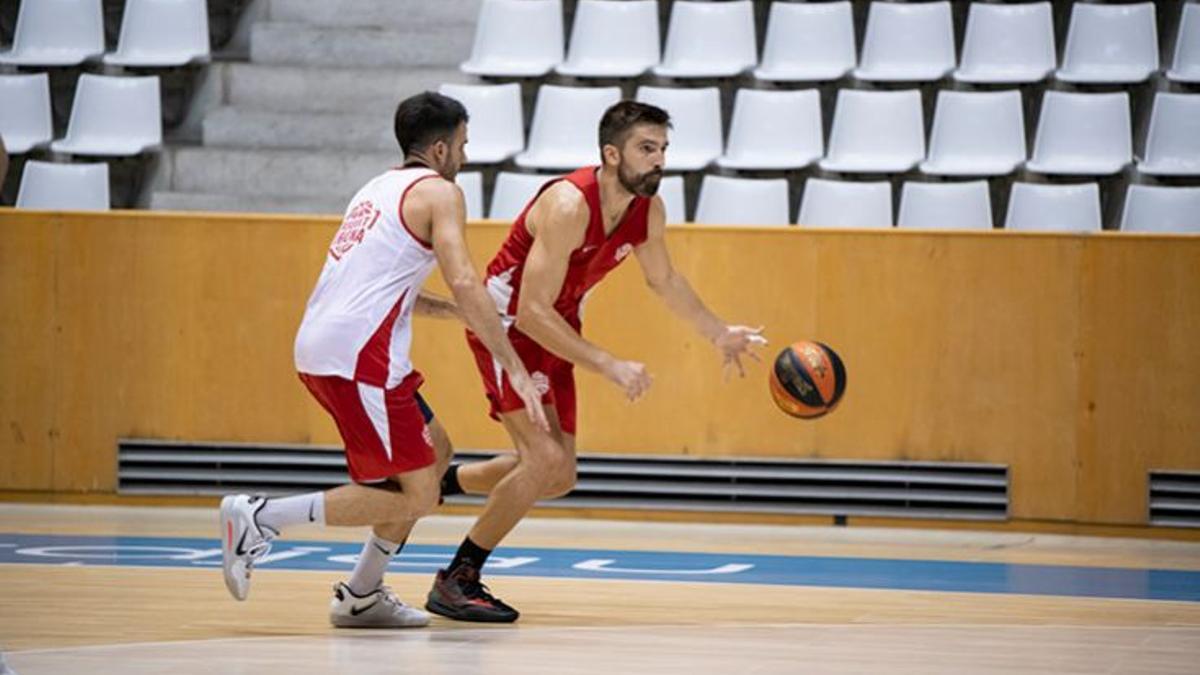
[99,589]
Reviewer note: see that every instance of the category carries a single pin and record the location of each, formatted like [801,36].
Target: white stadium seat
[516,38]
[1008,44]
[834,203]
[512,192]
[1053,208]
[907,42]
[25,118]
[612,38]
[976,134]
[497,129]
[1082,134]
[1110,44]
[695,133]
[1152,208]
[64,187]
[1173,141]
[876,132]
[471,183]
[671,191]
[563,134]
[742,201]
[808,42]
[946,206]
[774,130]
[1185,66]
[162,33]
[709,39]
[115,116]
[57,33]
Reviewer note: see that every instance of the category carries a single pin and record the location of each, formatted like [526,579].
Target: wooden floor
[57,618]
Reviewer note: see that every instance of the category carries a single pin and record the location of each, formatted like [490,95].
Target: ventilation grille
[1175,498]
[907,489]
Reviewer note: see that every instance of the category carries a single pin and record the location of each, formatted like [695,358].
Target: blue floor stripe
[910,575]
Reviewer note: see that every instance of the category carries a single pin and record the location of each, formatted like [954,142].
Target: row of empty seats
[831,203]
[809,41]
[154,33]
[826,203]
[974,133]
[112,116]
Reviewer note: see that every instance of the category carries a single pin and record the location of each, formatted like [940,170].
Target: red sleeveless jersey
[589,263]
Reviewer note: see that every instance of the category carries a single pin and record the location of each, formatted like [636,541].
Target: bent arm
[559,222]
[448,214]
[435,306]
[668,283]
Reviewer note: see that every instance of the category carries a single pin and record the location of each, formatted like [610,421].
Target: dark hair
[625,115]
[425,119]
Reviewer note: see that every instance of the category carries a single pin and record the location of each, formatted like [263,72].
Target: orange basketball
[808,379]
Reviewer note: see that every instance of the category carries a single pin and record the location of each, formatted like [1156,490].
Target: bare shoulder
[561,208]
[434,190]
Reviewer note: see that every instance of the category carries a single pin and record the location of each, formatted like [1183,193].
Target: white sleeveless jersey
[358,324]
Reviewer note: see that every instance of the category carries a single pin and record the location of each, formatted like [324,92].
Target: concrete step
[367,91]
[387,13]
[279,173]
[234,127]
[331,205]
[444,45]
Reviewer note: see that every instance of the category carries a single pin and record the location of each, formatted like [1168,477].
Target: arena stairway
[307,119]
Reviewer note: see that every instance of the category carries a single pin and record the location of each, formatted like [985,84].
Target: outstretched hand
[735,342]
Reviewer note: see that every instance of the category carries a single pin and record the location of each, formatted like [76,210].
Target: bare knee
[561,481]
[555,471]
[419,496]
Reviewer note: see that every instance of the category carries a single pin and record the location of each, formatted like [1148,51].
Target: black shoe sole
[473,614]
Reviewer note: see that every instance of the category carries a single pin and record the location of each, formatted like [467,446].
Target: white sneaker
[378,609]
[242,541]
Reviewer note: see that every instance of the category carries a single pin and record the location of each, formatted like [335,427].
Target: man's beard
[645,185]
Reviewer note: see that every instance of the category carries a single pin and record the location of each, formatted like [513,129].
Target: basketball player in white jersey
[352,352]
[574,231]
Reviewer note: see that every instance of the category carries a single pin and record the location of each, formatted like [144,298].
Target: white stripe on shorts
[373,402]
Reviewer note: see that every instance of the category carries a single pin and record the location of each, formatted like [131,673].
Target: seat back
[1053,208]
[946,206]
[833,203]
[64,187]
[742,201]
[25,117]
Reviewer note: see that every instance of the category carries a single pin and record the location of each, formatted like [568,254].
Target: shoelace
[390,596]
[476,589]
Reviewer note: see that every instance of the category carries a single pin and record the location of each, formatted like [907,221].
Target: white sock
[372,563]
[282,512]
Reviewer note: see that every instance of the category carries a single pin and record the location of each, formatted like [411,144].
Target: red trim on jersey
[400,212]
[375,356]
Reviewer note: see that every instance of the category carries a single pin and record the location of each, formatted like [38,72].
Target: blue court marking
[875,573]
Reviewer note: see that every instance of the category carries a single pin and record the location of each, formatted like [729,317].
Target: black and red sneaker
[459,595]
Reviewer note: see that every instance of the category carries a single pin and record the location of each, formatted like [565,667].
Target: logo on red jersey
[540,382]
[354,227]
[624,251]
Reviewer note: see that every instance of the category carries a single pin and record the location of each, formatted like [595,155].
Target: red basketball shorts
[554,377]
[385,430]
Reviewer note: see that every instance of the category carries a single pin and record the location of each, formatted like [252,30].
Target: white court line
[468,632]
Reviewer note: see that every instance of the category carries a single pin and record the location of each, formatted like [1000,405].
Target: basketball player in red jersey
[352,353]
[574,231]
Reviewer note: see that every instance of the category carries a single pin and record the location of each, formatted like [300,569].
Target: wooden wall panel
[1069,358]
[1142,410]
[29,366]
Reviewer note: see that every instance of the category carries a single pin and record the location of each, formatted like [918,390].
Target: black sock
[450,484]
[469,553]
